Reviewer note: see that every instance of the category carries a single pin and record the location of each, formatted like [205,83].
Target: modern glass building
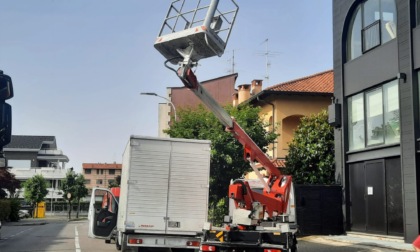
[376,76]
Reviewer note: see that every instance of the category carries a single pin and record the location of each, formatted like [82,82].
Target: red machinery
[260,221]
[275,196]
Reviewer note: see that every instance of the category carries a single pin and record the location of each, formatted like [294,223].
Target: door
[375,197]
[368,208]
[102,216]
[357,197]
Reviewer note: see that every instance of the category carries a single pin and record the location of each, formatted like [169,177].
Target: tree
[311,152]
[35,190]
[68,185]
[74,188]
[80,191]
[227,160]
[116,182]
[8,182]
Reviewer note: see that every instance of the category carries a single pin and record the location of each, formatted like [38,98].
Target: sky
[78,66]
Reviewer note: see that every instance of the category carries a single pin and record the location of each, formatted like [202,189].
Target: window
[19,163]
[99,181]
[391,113]
[356,122]
[97,171]
[373,23]
[88,171]
[87,181]
[418,12]
[111,171]
[374,117]
[110,181]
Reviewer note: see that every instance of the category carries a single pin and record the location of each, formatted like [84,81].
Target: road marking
[9,237]
[76,239]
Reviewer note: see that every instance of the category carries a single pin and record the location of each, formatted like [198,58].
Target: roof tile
[317,83]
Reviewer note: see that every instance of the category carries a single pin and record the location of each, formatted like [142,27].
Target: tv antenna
[232,62]
[267,54]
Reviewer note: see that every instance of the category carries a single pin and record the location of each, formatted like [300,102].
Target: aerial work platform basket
[197,28]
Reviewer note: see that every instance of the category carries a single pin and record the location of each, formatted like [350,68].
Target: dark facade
[376,76]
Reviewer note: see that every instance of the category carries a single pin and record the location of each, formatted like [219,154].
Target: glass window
[356,122]
[391,113]
[371,12]
[374,117]
[388,19]
[374,22]
[111,171]
[19,163]
[97,171]
[354,45]
[87,181]
[88,171]
[99,181]
[418,12]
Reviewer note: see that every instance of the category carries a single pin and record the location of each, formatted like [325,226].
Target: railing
[184,14]
[371,36]
[46,172]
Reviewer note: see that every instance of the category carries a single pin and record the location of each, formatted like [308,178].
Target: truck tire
[117,244]
[124,243]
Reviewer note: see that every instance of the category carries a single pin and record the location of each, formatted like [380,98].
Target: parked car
[24,213]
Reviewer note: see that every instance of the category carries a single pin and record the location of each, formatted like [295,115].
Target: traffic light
[6,92]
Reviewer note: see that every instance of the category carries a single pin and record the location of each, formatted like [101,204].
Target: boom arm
[251,150]
[276,196]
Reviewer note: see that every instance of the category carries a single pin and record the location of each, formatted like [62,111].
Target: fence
[62,208]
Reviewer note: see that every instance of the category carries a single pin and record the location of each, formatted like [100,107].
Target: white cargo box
[164,186]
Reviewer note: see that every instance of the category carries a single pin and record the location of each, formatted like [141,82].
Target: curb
[360,243]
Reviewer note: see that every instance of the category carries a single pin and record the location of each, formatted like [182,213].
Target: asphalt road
[60,235]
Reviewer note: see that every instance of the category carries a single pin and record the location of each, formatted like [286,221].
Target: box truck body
[164,189]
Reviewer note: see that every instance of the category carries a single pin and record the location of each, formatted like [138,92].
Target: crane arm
[251,150]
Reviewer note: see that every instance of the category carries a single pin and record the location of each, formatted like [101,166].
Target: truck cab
[103,212]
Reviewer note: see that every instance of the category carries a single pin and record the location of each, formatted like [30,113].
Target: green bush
[14,209]
[4,209]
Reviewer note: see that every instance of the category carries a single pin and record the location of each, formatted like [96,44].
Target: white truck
[163,201]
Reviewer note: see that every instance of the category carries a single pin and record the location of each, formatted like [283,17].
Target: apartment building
[31,155]
[100,174]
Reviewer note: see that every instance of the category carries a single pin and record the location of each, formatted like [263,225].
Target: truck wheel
[294,246]
[124,243]
[117,244]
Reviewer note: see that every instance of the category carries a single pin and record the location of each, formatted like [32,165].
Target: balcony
[46,172]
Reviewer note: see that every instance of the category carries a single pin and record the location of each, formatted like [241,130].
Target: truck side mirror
[6,87]
[5,124]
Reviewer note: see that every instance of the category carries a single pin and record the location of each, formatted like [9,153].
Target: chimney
[243,93]
[235,99]
[256,87]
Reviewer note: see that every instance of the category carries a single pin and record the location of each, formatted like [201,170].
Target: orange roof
[317,83]
[101,166]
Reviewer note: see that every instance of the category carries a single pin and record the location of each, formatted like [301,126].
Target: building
[376,75]
[31,155]
[100,175]
[286,103]
[220,88]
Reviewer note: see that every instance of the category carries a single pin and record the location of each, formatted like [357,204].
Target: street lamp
[154,94]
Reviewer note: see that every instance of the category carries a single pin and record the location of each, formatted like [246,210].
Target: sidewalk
[386,242]
[40,221]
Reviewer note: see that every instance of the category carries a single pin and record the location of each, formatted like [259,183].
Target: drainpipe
[272,105]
